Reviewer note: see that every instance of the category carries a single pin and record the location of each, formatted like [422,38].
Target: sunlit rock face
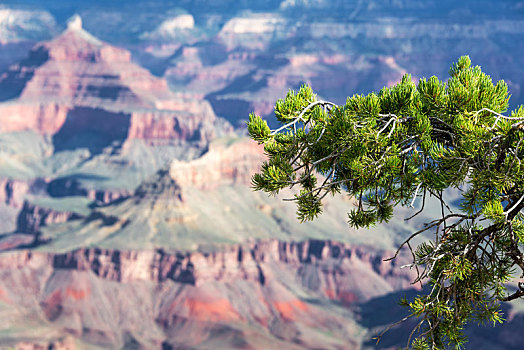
[172,28]
[221,165]
[76,79]
[77,97]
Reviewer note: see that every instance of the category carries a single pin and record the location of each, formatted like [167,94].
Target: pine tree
[400,147]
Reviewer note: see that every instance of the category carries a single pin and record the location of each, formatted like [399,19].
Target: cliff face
[12,192]
[165,197]
[291,294]
[329,268]
[32,217]
[12,199]
[221,165]
[77,82]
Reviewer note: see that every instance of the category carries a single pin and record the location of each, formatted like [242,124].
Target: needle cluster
[399,147]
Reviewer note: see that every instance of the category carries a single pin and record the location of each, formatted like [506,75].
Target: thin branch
[319,137]
[442,201]
[385,126]
[416,266]
[421,209]
[415,196]
[518,294]
[499,116]
[414,330]
[379,337]
[299,117]
[506,213]
[431,224]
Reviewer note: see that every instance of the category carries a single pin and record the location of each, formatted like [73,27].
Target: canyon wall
[291,293]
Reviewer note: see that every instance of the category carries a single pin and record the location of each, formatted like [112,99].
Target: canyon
[76,83]
[294,294]
[126,214]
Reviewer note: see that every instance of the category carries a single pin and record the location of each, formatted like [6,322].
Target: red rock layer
[46,118]
[76,70]
[333,262]
[257,293]
[80,68]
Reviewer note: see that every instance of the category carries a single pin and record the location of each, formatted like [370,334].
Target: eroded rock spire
[74,22]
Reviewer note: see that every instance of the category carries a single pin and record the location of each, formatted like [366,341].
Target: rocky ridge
[75,81]
[77,99]
[227,162]
[31,217]
[334,260]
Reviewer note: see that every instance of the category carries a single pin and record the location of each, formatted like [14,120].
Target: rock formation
[222,164]
[76,81]
[32,217]
[291,293]
[12,192]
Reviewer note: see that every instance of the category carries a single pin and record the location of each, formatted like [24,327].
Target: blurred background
[126,214]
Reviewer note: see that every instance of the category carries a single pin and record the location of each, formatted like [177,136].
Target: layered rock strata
[222,164]
[76,80]
[293,294]
[32,217]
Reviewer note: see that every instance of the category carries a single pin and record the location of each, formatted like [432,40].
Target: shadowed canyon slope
[126,214]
